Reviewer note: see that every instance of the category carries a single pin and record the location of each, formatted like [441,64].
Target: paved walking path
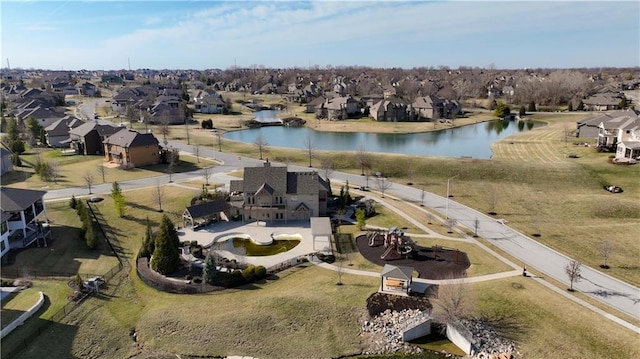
[600,286]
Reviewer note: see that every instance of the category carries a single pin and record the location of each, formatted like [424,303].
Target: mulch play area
[429,262]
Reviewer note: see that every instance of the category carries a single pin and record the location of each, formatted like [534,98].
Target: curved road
[602,287]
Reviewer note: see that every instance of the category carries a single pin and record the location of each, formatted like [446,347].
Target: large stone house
[392,109]
[271,193]
[433,107]
[129,148]
[628,148]
[339,108]
[20,213]
[613,130]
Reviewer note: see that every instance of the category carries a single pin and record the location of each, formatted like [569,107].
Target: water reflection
[468,141]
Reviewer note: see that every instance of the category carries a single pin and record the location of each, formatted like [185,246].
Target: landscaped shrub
[249,273]
[261,272]
[6,283]
[233,279]
[197,280]
[73,203]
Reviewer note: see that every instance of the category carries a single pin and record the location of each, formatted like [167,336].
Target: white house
[21,211]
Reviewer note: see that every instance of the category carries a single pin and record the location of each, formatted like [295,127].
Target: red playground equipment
[397,245]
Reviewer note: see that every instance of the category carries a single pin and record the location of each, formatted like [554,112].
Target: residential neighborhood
[319,179]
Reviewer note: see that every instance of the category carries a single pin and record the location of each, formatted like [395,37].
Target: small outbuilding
[396,278]
[205,212]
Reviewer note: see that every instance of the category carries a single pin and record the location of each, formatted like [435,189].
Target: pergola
[396,278]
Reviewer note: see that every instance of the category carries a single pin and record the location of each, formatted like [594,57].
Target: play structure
[397,245]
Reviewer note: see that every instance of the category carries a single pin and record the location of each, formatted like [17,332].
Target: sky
[113,35]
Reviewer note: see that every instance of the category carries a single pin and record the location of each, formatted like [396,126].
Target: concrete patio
[217,233]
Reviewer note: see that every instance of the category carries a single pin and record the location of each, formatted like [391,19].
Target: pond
[466,141]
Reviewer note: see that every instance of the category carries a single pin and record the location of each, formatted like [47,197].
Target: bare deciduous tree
[131,114]
[88,179]
[54,171]
[454,301]
[605,250]
[206,174]
[171,165]
[102,171]
[383,184]
[573,270]
[493,200]
[362,158]
[310,147]
[163,129]
[450,223]
[196,151]
[158,195]
[261,144]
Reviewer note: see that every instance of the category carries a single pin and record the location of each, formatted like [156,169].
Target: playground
[394,247]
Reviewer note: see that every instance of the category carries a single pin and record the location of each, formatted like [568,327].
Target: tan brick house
[129,149]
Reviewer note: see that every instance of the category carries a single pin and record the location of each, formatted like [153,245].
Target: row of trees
[87,229]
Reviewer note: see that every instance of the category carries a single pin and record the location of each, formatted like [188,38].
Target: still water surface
[469,141]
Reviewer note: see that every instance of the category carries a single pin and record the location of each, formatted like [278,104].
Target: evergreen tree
[73,202]
[570,106]
[148,243]
[209,270]
[623,103]
[501,110]
[34,129]
[531,107]
[580,106]
[91,238]
[166,257]
[118,199]
[522,111]
[361,218]
[347,195]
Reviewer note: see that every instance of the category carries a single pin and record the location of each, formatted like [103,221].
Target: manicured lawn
[66,253]
[55,292]
[72,170]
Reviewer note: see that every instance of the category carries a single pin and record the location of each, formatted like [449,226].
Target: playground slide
[387,252]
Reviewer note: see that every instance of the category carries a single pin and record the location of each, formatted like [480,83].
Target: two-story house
[628,142]
[129,148]
[392,109]
[609,131]
[271,193]
[87,139]
[339,108]
[21,211]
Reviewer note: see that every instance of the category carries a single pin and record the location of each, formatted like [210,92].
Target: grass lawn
[72,170]
[56,293]
[546,325]
[66,253]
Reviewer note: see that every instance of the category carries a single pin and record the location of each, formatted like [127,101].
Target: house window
[5,227]
[3,246]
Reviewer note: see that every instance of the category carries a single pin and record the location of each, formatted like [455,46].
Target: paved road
[600,286]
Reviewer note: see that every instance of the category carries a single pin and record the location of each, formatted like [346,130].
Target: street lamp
[446,211]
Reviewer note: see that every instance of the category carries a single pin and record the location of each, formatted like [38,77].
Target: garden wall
[22,318]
